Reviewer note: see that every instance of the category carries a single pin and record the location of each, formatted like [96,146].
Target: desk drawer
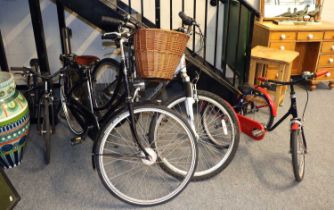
[283,45]
[325,77]
[326,60]
[282,36]
[329,35]
[311,35]
[327,47]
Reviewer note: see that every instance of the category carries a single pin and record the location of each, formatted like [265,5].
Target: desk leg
[286,77]
[279,97]
[252,72]
[313,85]
[331,85]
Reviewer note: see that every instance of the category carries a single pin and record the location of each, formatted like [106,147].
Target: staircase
[226,24]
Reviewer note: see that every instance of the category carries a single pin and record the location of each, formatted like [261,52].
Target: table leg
[279,89]
[331,85]
[252,72]
[313,85]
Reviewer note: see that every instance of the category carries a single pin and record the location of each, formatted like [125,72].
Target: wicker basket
[158,52]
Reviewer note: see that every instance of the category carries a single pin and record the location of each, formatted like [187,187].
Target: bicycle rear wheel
[123,167]
[218,131]
[257,107]
[107,82]
[298,151]
[72,123]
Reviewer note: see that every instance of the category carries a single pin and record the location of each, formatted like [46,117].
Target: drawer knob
[332,48]
[283,36]
[331,60]
[310,36]
[283,48]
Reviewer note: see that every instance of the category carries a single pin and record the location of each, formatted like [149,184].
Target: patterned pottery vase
[14,122]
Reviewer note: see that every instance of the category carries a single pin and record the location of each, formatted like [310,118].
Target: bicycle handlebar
[305,76]
[122,33]
[186,20]
[111,20]
[322,73]
[28,71]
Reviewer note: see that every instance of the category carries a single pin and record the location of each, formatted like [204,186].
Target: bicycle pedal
[258,133]
[77,140]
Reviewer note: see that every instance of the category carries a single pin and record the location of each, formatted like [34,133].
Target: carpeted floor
[259,177]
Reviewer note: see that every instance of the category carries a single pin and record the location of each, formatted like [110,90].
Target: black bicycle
[41,100]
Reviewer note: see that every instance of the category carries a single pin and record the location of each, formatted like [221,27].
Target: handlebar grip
[23,70]
[262,79]
[111,20]
[109,36]
[17,69]
[186,19]
[321,73]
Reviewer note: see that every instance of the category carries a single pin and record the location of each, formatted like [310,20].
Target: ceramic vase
[14,122]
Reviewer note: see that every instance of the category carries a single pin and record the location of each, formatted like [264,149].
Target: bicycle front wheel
[125,170]
[46,130]
[217,129]
[298,150]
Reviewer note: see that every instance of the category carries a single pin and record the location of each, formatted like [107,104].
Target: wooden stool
[269,58]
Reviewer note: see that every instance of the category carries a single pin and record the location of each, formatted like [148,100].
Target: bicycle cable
[202,43]
[306,103]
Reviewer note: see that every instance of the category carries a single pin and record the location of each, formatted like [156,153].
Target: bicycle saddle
[86,60]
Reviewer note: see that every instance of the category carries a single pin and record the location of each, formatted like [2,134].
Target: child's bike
[257,112]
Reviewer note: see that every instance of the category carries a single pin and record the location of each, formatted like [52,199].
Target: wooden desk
[314,42]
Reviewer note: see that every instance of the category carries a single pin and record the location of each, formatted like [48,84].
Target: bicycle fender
[271,102]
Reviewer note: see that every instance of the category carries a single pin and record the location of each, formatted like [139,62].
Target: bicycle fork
[130,103]
[191,95]
[296,124]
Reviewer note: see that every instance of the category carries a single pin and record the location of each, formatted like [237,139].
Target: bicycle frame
[82,112]
[292,110]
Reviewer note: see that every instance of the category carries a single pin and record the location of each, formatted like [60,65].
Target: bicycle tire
[106,81]
[155,182]
[46,131]
[213,156]
[298,154]
[257,107]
